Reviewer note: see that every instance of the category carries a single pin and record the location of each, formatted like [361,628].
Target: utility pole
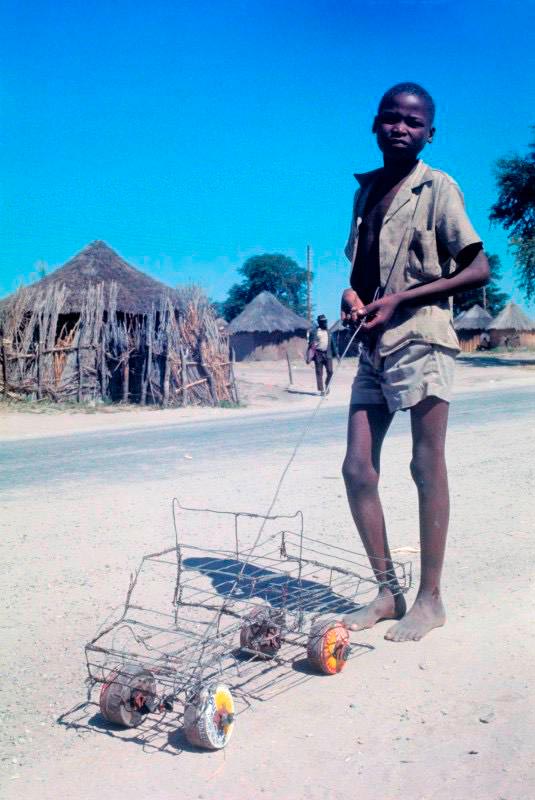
[309,280]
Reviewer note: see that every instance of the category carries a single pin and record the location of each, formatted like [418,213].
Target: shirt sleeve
[452,225]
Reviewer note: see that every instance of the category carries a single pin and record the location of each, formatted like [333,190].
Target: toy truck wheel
[261,631]
[328,647]
[209,717]
[128,695]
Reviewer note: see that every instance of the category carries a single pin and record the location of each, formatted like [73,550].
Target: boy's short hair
[409,88]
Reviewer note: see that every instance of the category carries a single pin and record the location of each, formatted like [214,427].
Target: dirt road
[448,718]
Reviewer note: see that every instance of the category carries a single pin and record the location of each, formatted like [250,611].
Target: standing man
[324,349]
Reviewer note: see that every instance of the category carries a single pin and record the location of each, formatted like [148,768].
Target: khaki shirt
[423,231]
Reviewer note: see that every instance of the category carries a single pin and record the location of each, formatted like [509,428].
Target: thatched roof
[98,263]
[513,317]
[475,319]
[266,314]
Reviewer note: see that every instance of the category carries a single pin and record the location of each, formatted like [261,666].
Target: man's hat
[322,317]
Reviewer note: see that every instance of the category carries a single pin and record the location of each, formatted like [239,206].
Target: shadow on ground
[244,581]
[495,361]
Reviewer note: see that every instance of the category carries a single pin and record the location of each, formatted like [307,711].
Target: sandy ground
[449,718]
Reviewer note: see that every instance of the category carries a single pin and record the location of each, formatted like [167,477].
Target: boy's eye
[412,122]
[389,117]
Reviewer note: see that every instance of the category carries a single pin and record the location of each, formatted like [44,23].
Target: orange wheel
[209,717]
[328,646]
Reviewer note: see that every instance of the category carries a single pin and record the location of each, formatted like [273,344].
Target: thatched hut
[100,329]
[267,330]
[342,335]
[470,325]
[512,328]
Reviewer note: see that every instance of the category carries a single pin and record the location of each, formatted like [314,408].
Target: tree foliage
[491,296]
[515,210]
[271,272]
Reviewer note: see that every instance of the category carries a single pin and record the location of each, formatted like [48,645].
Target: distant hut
[267,330]
[222,326]
[100,329]
[512,328]
[342,335]
[470,325]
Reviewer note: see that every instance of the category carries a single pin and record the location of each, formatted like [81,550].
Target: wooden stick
[289,368]
[79,375]
[148,360]
[4,365]
[39,370]
[189,385]
[211,384]
[126,379]
[233,377]
[184,388]
[40,358]
[103,367]
[166,376]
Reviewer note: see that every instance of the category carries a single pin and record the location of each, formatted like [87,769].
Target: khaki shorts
[404,378]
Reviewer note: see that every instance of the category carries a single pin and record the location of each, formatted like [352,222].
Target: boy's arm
[472,272]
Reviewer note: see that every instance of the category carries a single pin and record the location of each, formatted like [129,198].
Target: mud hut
[342,335]
[99,329]
[470,325]
[267,330]
[512,328]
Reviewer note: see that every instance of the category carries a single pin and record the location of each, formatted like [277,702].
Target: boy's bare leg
[428,467]
[367,427]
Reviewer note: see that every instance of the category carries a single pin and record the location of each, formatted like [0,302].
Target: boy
[411,240]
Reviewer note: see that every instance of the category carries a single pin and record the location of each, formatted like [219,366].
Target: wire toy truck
[216,629]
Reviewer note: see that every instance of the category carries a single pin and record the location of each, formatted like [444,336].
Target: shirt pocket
[422,257]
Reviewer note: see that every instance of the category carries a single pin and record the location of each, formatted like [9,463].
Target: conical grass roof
[512,317]
[475,319]
[98,263]
[266,314]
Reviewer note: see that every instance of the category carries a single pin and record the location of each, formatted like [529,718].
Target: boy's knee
[359,476]
[417,472]
[427,466]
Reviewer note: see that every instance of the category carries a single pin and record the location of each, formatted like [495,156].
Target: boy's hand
[379,312]
[350,307]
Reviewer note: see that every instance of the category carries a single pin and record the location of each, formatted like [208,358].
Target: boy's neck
[398,169]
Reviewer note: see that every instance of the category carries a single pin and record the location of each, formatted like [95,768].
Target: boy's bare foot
[427,613]
[385,606]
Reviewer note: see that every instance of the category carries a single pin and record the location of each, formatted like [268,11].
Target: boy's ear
[431,135]
[374,126]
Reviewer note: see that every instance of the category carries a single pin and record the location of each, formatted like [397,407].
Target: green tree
[271,272]
[491,296]
[515,210]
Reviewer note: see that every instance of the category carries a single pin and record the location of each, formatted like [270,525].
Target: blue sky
[190,135]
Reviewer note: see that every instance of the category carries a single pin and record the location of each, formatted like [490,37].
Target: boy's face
[403,127]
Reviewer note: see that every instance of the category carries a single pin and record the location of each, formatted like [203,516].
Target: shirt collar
[420,175]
